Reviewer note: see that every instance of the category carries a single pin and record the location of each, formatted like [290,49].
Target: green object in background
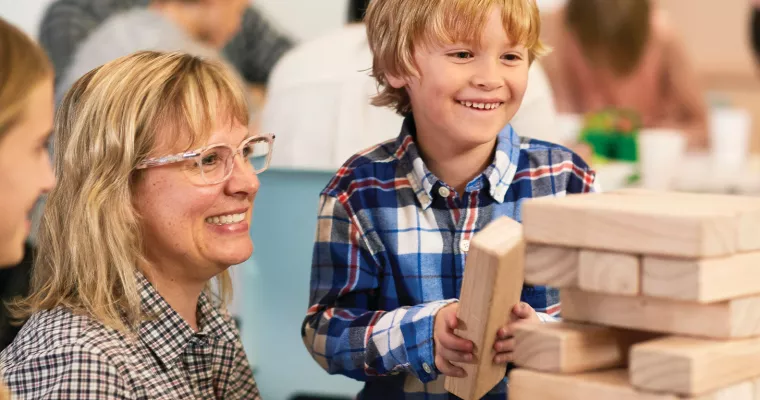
[612,134]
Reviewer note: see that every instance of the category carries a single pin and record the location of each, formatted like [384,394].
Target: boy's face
[465,94]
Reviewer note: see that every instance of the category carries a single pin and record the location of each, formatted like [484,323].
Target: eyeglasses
[213,164]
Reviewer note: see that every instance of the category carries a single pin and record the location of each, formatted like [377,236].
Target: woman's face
[204,229]
[25,172]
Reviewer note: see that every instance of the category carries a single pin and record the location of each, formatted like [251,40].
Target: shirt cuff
[418,337]
[544,317]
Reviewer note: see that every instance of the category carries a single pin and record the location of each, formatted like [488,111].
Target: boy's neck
[454,165]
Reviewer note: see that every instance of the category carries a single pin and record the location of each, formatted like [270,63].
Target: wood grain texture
[691,367]
[607,272]
[736,318]
[573,348]
[491,287]
[637,224]
[702,280]
[551,266]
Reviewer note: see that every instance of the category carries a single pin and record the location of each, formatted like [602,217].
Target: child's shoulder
[539,153]
[554,166]
[375,164]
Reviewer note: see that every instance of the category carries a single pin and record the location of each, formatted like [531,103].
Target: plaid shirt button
[444,191]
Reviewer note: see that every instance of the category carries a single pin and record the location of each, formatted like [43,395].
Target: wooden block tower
[660,296]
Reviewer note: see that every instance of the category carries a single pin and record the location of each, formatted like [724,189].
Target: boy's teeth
[226,219]
[480,106]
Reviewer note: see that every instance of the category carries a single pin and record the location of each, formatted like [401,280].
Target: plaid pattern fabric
[60,355]
[66,23]
[390,252]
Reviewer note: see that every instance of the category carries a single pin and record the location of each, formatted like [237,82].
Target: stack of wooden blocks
[660,296]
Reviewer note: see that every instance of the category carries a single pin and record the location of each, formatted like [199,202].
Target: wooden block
[606,272]
[605,385]
[551,266]
[691,367]
[638,224]
[572,348]
[745,208]
[737,318]
[491,287]
[703,280]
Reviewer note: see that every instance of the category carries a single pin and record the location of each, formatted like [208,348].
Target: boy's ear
[396,82]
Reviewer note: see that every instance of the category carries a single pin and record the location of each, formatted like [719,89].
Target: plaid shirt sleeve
[68,373]
[342,330]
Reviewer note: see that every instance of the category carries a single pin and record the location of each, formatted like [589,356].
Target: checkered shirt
[60,355]
[390,252]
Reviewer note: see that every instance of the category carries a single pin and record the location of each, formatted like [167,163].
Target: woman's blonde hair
[109,121]
[396,27]
[612,33]
[23,65]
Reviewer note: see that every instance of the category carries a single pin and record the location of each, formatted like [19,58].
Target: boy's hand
[448,346]
[505,341]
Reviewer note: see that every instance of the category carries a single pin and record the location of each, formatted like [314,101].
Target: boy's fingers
[455,356]
[506,345]
[503,358]
[448,368]
[521,310]
[454,342]
[505,332]
[451,319]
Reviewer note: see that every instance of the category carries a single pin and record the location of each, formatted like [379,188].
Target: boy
[396,221]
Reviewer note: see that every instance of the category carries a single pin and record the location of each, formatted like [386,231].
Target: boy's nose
[487,77]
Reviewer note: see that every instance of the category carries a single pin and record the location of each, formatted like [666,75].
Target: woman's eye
[210,159]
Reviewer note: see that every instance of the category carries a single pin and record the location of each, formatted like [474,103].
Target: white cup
[661,152]
[729,139]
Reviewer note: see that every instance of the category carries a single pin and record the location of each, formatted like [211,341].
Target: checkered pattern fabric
[60,355]
[390,252]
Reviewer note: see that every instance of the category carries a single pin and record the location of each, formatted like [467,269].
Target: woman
[152,203]
[26,120]
[623,54]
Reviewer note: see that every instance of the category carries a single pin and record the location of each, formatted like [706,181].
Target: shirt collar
[167,334]
[498,175]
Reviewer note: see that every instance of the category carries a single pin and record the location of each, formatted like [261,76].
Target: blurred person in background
[197,27]
[320,105]
[624,54]
[755,27]
[66,23]
[26,122]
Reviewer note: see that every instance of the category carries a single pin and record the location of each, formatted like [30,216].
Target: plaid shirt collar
[498,176]
[167,334]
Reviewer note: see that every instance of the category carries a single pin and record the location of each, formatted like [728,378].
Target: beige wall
[716,33]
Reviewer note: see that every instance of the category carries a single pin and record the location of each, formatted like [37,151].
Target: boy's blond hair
[396,27]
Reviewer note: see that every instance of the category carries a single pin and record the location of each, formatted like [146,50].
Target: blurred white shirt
[318,104]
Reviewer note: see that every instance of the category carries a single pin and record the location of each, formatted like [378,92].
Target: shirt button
[444,191]
[427,368]
[464,245]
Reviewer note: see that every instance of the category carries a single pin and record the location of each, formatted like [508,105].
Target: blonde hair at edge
[23,66]
[393,35]
[108,122]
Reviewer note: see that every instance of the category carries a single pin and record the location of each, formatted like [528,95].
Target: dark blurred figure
[14,282]
[66,23]
[624,54]
[756,28]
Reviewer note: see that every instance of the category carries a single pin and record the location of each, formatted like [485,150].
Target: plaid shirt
[390,252]
[66,23]
[60,355]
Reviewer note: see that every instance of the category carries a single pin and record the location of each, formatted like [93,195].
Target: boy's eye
[462,55]
[512,57]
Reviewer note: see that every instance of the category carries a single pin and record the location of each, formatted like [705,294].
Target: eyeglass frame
[179,157]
